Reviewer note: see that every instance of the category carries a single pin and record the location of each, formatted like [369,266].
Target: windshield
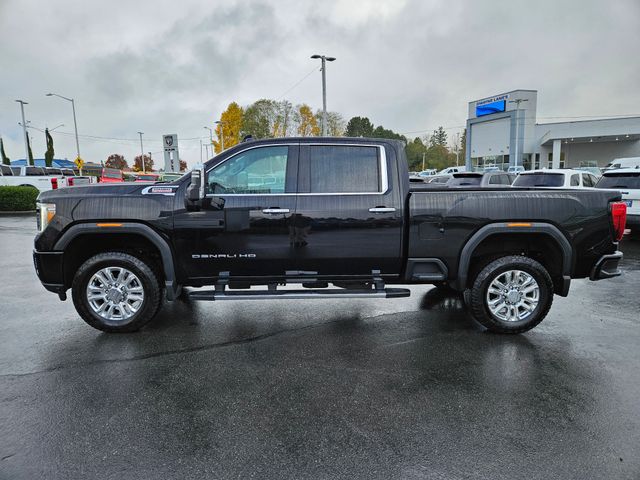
[465,180]
[111,173]
[620,180]
[539,180]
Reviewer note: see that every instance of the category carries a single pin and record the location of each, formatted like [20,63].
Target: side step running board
[293,294]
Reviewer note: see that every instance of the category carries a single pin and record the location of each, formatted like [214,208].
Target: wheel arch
[513,230]
[127,229]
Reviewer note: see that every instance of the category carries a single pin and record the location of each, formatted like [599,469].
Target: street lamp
[142,153]
[222,124]
[324,59]
[75,122]
[24,130]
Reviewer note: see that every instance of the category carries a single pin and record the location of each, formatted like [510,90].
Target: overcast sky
[162,66]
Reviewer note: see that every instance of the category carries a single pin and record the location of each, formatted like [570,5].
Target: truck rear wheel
[116,292]
[511,294]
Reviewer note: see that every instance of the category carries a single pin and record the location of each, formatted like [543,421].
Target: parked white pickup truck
[69,177]
[30,177]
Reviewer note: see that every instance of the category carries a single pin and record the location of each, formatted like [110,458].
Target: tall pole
[324,59]
[457,147]
[24,130]
[200,150]
[423,154]
[222,124]
[144,170]
[75,121]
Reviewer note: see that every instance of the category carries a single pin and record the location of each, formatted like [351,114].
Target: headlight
[46,211]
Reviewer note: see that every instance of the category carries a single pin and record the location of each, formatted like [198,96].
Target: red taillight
[54,183]
[619,218]
[70,182]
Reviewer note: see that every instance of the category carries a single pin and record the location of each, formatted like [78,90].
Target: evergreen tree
[30,159]
[5,160]
[49,154]
[439,137]
[359,127]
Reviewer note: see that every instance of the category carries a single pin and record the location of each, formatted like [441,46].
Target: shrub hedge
[14,199]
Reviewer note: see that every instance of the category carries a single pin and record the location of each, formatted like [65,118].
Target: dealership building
[502,130]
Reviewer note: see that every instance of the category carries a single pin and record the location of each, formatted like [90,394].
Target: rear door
[348,218]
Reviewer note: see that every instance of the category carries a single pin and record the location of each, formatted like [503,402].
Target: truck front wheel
[511,294]
[116,292]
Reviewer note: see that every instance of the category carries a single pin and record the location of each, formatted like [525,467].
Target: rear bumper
[49,268]
[606,267]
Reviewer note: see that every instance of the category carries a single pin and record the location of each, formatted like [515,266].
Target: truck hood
[98,189]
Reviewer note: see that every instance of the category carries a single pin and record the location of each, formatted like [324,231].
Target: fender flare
[506,227]
[172,289]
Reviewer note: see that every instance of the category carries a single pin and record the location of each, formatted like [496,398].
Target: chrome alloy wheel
[513,295]
[115,293]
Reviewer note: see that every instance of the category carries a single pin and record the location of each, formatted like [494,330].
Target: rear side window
[34,171]
[465,181]
[619,180]
[575,180]
[586,180]
[344,169]
[6,170]
[539,180]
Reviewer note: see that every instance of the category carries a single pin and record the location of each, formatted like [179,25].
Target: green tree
[230,126]
[115,160]
[462,147]
[5,160]
[30,159]
[381,132]
[49,154]
[359,127]
[439,137]
[416,151]
[259,119]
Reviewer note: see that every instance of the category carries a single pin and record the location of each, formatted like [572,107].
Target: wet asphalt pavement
[405,388]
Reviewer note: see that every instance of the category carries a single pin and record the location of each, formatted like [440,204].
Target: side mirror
[193,195]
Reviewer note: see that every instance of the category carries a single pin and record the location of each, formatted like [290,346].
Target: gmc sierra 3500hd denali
[317,212]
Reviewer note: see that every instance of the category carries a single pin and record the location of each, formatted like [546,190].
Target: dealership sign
[491,105]
[171,155]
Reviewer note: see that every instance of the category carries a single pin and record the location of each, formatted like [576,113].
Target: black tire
[148,278]
[477,296]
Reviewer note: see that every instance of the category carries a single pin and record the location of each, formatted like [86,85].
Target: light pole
[75,122]
[324,60]
[144,170]
[24,130]
[222,124]
[517,101]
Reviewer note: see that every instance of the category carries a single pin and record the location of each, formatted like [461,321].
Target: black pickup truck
[336,217]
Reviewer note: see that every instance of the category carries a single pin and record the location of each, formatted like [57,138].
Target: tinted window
[575,180]
[343,169]
[510,178]
[67,172]
[258,170]
[6,170]
[15,170]
[539,180]
[53,171]
[111,173]
[465,181]
[620,180]
[495,180]
[586,180]
[33,171]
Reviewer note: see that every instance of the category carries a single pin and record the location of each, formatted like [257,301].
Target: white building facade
[502,130]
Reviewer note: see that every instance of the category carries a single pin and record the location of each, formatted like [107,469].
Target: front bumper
[606,267]
[49,268]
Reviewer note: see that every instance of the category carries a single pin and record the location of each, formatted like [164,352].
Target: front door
[243,227]
[348,218]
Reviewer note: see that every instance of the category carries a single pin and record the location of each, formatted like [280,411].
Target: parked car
[451,170]
[628,162]
[627,181]
[335,211]
[555,178]
[495,179]
[29,176]
[428,173]
[147,177]
[111,175]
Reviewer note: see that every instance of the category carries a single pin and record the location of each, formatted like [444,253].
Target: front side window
[260,170]
[6,171]
[344,169]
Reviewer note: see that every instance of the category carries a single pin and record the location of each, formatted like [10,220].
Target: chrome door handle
[382,209]
[275,211]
